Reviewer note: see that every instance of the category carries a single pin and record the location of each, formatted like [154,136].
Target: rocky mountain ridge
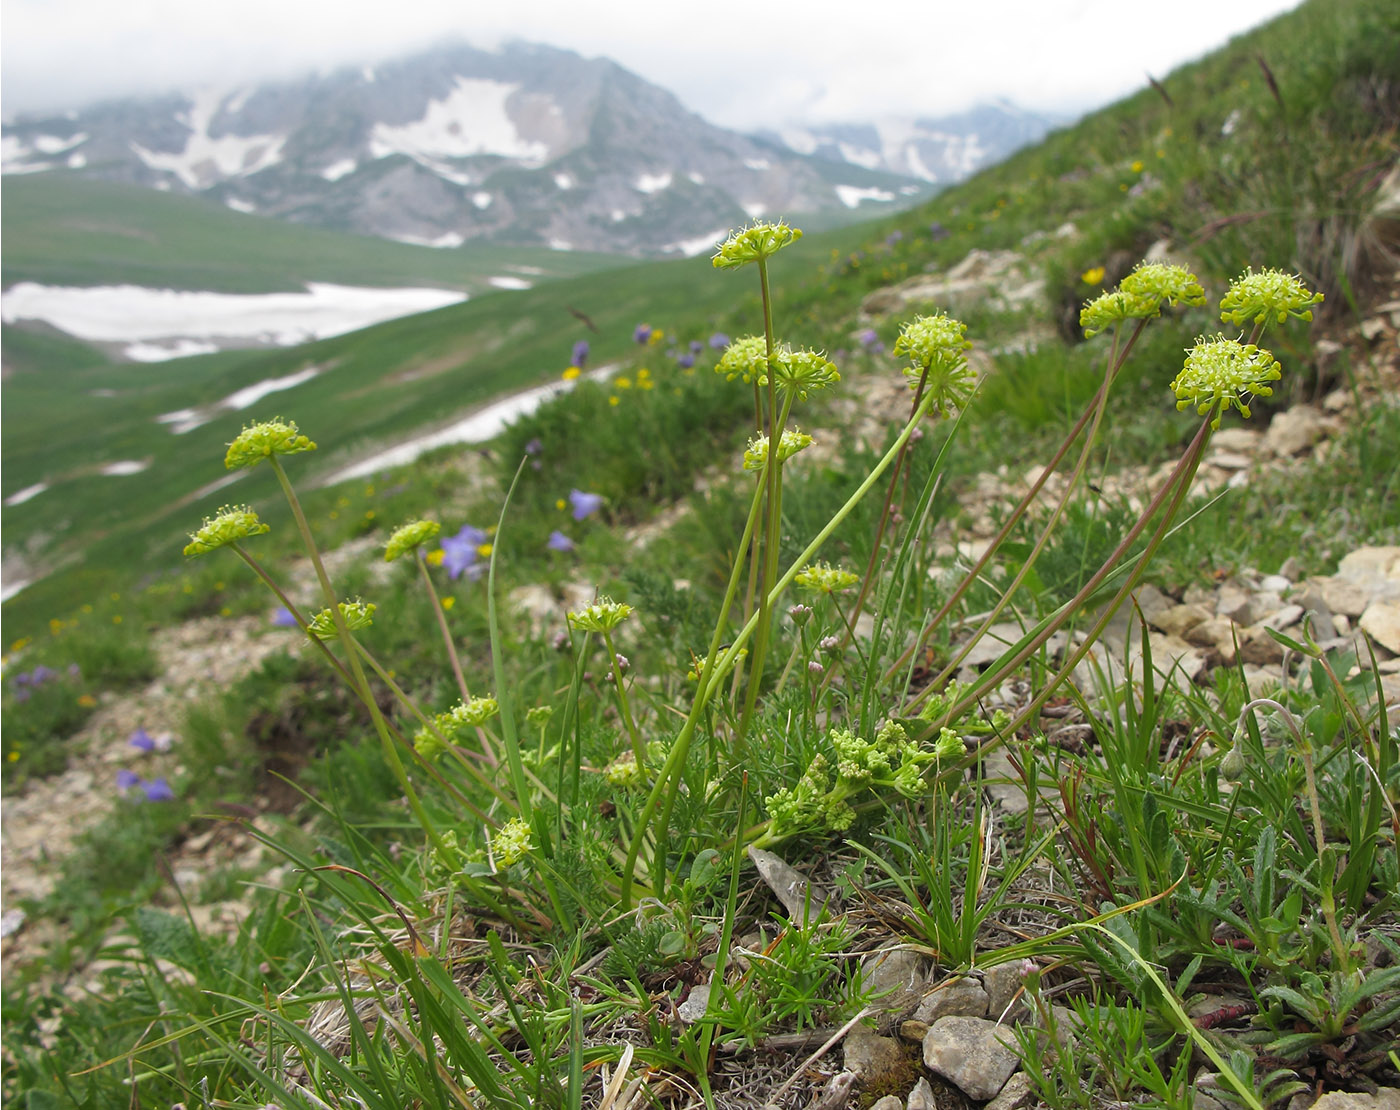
[526,144]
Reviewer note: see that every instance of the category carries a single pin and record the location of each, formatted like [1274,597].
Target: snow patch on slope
[205,160]
[472,119]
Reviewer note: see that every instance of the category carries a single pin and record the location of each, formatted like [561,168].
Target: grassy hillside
[62,229]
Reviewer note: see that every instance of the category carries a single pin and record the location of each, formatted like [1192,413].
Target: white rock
[972,1054]
[1295,430]
[1381,621]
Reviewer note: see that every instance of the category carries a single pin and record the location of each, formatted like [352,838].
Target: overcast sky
[739,63]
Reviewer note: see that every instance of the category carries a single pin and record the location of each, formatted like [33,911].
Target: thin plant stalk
[452,655]
[1019,511]
[668,780]
[638,749]
[360,682]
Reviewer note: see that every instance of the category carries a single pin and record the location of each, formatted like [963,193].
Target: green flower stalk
[264,440]
[1269,296]
[410,537]
[1223,373]
[469,714]
[792,441]
[757,243]
[231,524]
[357,614]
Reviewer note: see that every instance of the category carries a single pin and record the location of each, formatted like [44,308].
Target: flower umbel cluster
[890,761]
[747,358]
[936,347]
[789,443]
[512,842]
[1223,373]
[1140,296]
[603,615]
[1268,296]
[358,614]
[801,372]
[231,524]
[823,578]
[261,441]
[409,537]
[753,244]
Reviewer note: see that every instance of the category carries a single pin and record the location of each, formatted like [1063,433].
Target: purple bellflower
[584,504]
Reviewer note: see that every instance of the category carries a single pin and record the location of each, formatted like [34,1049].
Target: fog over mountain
[525,144]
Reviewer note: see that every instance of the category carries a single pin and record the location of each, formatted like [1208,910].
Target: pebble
[972,1054]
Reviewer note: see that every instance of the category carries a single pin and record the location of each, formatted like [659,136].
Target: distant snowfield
[483,424]
[158,324]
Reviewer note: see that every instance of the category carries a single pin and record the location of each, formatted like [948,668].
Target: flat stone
[695,1004]
[1387,1098]
[1344,597]
[1366,564]
[1290,568]
[1295,430]
[1236,439]
[1014,1095]
[1233,602]
[1276,583]
[961,997]
[871,1056]
[1259,648]
[1180,619]
[1316,614]
[1004,985]
[1285,617]
[1381,621]
[1227,460]
[972,1054]
[1217,633]
[1153,602]
[803,901]
[894,978]
[1003,784]
[888,1102]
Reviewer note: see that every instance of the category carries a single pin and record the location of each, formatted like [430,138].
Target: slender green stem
[1175,489]
[638,752]
[1019,511]
[359,682]
[441,615]
[1044,537]
[668,780]
[511,741]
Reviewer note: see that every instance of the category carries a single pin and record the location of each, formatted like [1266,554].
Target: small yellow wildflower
[571,373]
[622,383]
[1092,276]
[448,602]
[1137,166]
[614,400]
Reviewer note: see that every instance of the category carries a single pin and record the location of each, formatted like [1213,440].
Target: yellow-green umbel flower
[472,713]
[1140,296]
[801,372]
[429,745]
[1226,373]
[1114,307]
[512,841]
[823,578]
[261,441]
[623,771]
[791,442]
[937,347]
[603,615]
[1268,296]
[745,358]
[358,614]
[1164,281]
[410,536]
[750,244]
[231,524]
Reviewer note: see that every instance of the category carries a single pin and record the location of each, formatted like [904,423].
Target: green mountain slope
[59,229]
